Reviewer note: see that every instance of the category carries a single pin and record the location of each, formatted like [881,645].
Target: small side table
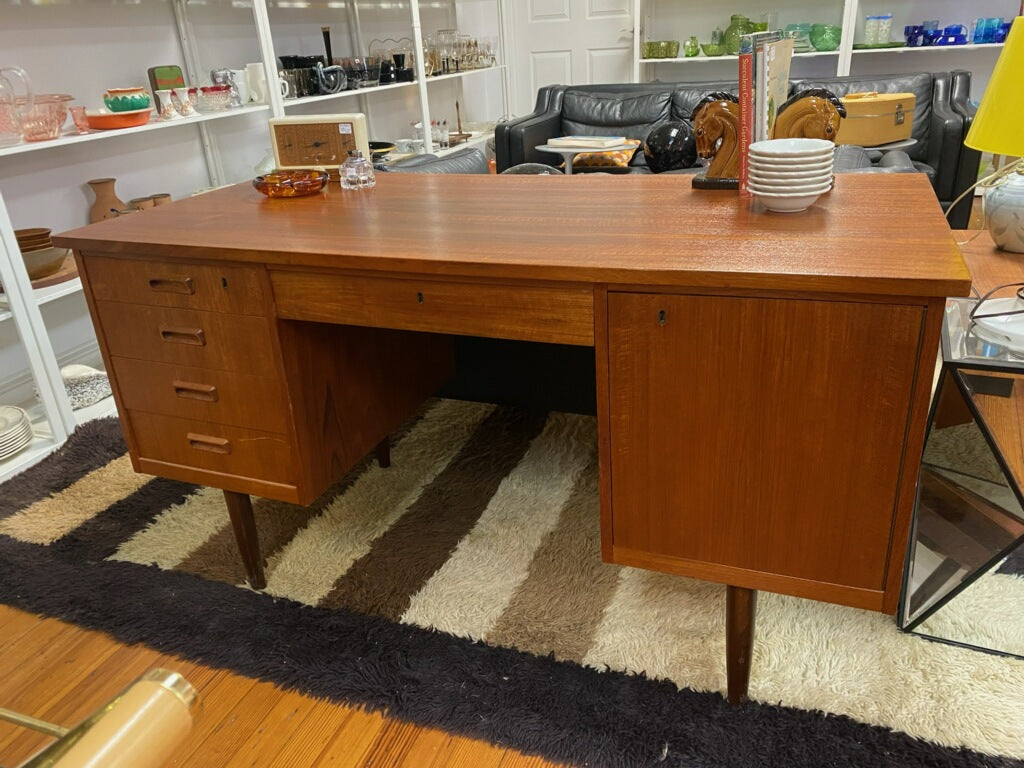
[969,513]
[569,153]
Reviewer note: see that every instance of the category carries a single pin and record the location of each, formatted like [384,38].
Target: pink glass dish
[46,118]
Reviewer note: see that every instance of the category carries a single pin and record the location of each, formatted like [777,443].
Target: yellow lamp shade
[999,125]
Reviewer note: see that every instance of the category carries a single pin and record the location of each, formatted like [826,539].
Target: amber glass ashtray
[291,183]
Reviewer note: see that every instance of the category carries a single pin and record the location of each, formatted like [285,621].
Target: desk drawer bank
[762,380]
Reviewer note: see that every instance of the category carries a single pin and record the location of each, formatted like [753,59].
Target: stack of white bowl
[788,175]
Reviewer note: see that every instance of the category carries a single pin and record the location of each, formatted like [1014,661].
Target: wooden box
[876,118]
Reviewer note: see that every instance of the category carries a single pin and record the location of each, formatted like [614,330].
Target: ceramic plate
[11,417]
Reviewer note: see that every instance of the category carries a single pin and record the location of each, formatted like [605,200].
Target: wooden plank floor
[61,673]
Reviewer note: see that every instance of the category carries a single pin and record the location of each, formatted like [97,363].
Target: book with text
[761,57]
[595,142]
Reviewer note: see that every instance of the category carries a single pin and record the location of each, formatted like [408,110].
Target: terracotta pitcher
[107,203]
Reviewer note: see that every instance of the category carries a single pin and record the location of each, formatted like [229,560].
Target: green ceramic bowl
[126,99]
[712,49]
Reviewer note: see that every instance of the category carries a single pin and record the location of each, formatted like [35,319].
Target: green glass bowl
[661,49]
[713,49]
[825,37]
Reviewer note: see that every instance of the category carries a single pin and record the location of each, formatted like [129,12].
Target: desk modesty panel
[762,379]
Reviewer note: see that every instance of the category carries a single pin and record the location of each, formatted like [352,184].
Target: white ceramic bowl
[787,176]
[787,203]
[791,147]
[790,189]
[791,163]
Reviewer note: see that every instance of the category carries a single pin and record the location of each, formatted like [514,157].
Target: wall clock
[317,141]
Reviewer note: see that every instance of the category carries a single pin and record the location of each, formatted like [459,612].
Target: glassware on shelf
[13,109]
[691,47]
[47,116]
[738,25]
[357,172]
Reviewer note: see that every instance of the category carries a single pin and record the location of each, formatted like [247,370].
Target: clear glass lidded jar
[357,172]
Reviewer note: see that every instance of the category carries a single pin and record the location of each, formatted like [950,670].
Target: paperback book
[763,82]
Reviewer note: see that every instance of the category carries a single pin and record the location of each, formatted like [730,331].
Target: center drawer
[560,314]
[188,337]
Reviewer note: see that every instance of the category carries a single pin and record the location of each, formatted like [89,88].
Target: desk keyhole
[661,316]
[419,298]
[223,282]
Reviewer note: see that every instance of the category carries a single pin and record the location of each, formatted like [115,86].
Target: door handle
[178,335]
[187,389]
[207,443]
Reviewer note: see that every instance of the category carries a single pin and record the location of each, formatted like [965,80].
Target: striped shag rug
[463,588]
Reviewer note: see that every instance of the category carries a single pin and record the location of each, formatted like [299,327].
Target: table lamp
[998,128]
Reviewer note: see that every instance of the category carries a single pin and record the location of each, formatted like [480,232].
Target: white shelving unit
[44,182]
[678,19]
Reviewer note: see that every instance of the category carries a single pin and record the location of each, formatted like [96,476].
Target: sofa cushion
[920,84]
[607,158]
[595,114]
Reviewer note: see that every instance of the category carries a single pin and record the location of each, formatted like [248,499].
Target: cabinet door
[758,441]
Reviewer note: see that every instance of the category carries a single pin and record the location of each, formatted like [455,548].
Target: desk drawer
[219,448]
[187,337]
[235,289]
[223,397]
[559,314]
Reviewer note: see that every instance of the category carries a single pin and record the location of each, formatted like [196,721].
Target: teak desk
[762,379]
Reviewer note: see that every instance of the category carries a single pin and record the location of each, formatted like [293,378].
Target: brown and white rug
[463,587]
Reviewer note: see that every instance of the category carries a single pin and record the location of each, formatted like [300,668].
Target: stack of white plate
[788,175]
[15,430]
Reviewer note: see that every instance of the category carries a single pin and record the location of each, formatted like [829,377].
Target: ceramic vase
[107,203]
[1004,209]
[166,105]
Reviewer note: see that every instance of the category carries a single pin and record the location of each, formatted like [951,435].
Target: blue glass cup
[913,34]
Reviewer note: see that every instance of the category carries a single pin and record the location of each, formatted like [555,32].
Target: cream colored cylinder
[138,729]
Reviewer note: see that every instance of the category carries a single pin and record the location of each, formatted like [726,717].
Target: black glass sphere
[670,146]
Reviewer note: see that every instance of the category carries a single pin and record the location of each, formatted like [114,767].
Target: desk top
[874,233]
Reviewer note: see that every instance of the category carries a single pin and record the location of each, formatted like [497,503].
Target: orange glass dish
[291,183]
[102,119]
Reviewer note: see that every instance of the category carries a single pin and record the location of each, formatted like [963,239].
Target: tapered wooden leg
[740,604]
[384,452]
[244,524]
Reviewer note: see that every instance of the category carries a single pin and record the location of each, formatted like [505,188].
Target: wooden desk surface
[645,230]
[988,265]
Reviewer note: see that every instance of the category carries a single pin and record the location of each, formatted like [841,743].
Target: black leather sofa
[941,117]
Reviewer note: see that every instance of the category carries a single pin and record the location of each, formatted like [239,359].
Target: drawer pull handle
[206,392]
[207,443]
[177,335]
[172,285]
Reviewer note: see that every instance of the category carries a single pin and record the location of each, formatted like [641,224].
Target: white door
[568,41]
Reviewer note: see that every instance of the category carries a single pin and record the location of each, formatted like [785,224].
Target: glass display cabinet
[966,557]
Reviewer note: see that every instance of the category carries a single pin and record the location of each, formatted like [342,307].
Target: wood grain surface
[759,435]
[652,230]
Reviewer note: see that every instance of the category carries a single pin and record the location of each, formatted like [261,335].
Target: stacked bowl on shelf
[788,175]
[15,430]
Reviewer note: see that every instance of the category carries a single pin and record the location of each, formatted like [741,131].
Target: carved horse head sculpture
[811,114]
[716,120]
